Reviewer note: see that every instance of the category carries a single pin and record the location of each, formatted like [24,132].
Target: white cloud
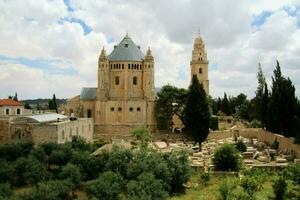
[169,27]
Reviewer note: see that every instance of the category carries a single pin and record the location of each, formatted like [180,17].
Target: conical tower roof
[126,50]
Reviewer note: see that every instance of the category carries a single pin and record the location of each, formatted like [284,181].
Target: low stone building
[50,128]
[9,108]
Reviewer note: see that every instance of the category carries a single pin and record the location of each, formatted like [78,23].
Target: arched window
[138,109]
[18,111]
[117,80]
[131,109]
[89,113]
[134,81]
[122,66]
[63,134]
[7,111]
[128,66]
[112,109]
[200,70]
[119,109]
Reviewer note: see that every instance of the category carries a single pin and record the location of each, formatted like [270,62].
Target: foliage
[282,111]
[146,187]
[72,174]
[53,104]
[255,124]
[241,146]
[5,190]
[107,186]
[279,188]
[143,135]
[170,101]
[227,158]
[11,151]
[214,123]
[226,187]
[79,143]
[61,155]
[262,97]
[29,170]
[205,177]
[6,171]
[51,190]
[251,185]
[196,113]
[225,108]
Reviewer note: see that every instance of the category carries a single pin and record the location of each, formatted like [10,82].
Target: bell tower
[148,75]
[103,75]
[199,63]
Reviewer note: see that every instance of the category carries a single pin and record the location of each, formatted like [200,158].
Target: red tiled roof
[9,102]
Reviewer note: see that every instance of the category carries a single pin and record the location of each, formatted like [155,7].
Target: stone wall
[107,132]
[217,135]
[4,130]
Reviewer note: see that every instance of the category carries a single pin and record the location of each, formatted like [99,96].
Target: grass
[198,191]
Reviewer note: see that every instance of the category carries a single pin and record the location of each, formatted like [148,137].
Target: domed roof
[126,50]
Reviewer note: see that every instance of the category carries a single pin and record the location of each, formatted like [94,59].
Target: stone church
[125,96]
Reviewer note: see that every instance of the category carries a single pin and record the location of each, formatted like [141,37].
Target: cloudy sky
[53,46]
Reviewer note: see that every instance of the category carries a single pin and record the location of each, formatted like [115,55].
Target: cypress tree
[282,113]
[196,113]
[225,107]
[261,95]
[54,103]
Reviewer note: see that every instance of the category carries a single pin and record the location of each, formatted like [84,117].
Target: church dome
[126,50]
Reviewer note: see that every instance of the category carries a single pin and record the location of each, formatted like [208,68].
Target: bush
[226,187]
[78,143]
[251,185]
[255,124]
[227,158]
[214,123]
[108,186]
[5,190]
[279,188]
[205,177]
[15,149]
[146,187]
[238,194]
[241,146]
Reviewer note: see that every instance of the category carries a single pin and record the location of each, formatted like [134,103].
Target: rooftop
[126,50]
[51,117]
[9,102]
[88,93]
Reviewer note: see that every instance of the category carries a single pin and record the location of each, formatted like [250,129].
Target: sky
[53,46]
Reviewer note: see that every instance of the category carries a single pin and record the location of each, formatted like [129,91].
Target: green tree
[15,97]
[107,186]
[6,171]
[251,185]
[227,158]
[29,170]
[5,190]
[282,115]
[196,113]
[54,103]
[170,101]
[279,187]
[146,187]
[143,135]
[72,174]
[27,106]
[225,107]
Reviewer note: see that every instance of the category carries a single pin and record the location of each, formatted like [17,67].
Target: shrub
[146,187]
[78,143]
[226,186]
[5,190]
[255,124]
[214,123]
[241,146]
[227,158]
[205,177]
[251,185]
[108,186]
[238,194]
[279,188]
[15,149]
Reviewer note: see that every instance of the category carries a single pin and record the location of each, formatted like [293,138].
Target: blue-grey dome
[126,51]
